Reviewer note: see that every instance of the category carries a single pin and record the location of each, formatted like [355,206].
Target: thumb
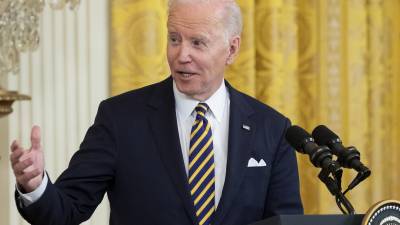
[35,137]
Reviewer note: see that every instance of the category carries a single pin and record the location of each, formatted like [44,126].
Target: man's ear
[234,46]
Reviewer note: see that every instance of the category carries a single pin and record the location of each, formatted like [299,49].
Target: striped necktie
[201,167]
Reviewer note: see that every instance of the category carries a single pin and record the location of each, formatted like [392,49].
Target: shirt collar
[185,104]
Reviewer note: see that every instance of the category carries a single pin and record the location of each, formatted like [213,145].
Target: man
[188,150]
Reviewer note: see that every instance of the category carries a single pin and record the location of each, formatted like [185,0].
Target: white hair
[232,18]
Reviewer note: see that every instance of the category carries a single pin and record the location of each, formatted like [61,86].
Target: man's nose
[184,55]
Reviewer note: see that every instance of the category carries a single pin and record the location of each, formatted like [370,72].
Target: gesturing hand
[28,165]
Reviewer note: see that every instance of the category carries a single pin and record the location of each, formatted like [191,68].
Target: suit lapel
[163,123]
[162,119]
[239,146]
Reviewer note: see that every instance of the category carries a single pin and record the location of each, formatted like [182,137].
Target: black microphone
[347,157]
[303,142]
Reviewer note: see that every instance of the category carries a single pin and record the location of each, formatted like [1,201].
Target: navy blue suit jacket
[132,152]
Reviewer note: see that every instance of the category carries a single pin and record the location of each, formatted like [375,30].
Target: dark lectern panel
[312,220]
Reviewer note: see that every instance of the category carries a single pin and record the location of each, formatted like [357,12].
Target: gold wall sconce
[6,100]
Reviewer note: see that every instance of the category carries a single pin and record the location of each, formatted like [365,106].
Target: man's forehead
[200,32]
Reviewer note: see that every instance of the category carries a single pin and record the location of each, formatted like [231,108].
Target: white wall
[66,77]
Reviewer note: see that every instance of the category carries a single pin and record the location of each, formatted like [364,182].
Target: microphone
[303,142]
[347,157]
[320,156]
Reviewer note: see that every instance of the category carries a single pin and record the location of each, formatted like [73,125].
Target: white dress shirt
[31,197]
[218,117]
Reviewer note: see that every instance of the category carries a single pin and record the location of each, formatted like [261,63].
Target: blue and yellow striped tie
[201,167]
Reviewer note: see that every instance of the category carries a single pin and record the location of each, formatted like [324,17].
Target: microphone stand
[333,182]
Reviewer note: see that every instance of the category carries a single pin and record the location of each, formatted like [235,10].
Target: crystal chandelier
[19,32]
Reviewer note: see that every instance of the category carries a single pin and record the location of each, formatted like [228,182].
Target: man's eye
[197,43]
[173,39]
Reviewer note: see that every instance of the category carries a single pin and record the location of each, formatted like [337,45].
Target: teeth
[186,75]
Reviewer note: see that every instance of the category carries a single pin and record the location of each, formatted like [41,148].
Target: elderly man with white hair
[188,150]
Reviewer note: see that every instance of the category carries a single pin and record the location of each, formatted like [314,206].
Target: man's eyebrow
[200,37]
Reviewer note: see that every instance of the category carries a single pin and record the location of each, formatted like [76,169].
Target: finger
[15,156]
[14,145]
[21,166]
[35,137]
[26,177]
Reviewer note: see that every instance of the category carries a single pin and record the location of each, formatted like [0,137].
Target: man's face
[198,51]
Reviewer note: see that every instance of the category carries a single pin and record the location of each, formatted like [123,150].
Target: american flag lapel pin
[246,127]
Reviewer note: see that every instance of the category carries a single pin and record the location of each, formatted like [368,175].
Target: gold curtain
[333,62]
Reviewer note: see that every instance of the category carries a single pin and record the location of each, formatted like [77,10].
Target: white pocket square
[253,163]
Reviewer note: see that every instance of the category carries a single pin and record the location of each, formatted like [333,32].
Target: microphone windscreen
[296,135]
[323,135]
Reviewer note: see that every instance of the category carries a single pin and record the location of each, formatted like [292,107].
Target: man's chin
[188,91]
[191,92]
